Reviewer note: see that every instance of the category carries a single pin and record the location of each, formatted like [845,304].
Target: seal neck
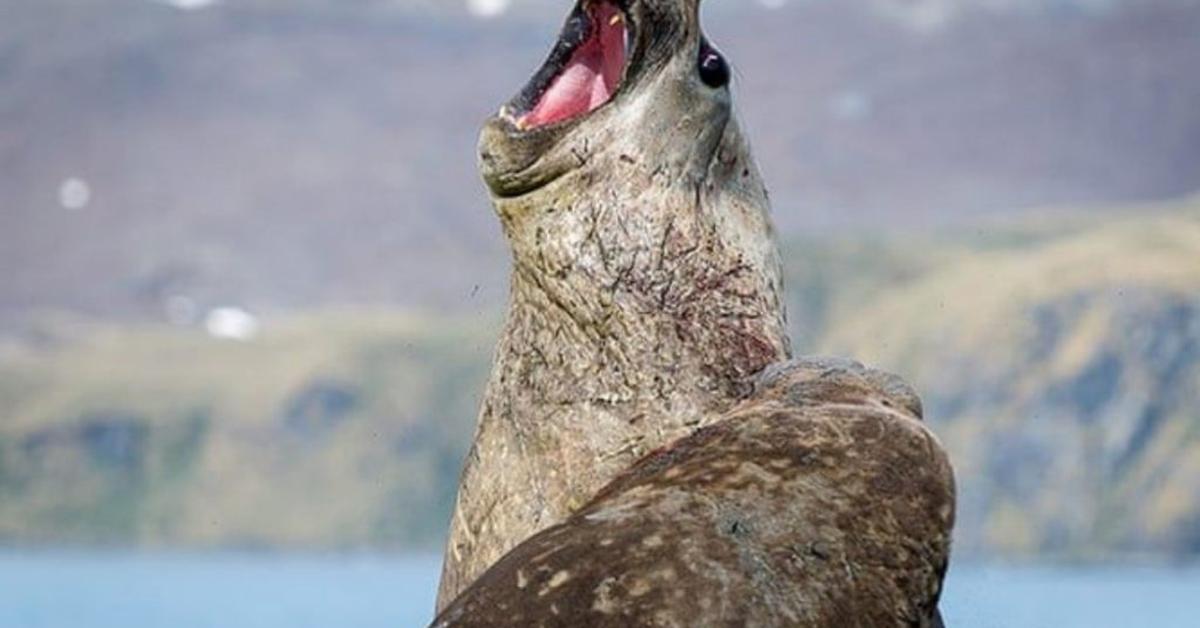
[610,351]
[668,301]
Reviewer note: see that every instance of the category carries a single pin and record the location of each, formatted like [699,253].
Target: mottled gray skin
[821,500]
[646,292]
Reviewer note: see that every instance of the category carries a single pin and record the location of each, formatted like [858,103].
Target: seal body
[646,291]
[647,304]
[822,500]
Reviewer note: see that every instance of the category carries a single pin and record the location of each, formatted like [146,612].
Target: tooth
[616,19]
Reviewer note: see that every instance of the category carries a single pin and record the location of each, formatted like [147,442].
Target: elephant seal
[820,501]
[646,293]
[646,286]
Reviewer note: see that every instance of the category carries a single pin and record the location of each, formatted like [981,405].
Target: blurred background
[250,284]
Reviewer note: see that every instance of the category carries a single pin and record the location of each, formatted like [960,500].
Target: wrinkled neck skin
[641,285]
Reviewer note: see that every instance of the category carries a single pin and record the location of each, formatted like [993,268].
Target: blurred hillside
[287,155]
[1060,364]
[334,431]
[1059,361]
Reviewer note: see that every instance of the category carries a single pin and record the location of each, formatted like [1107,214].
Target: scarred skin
[646,302]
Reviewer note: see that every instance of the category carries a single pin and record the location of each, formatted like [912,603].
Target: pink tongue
[589,79]
[579,89]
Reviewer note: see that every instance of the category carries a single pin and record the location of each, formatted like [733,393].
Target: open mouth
[584,71]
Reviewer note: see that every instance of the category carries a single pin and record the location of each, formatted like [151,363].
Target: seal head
[625,76]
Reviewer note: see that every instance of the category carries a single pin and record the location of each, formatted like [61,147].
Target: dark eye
[713,69]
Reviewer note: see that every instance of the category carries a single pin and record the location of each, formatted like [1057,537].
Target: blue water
[128,591]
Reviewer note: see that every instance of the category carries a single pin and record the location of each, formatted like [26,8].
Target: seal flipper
[819,501]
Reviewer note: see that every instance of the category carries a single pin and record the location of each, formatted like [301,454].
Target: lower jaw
[515,163]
